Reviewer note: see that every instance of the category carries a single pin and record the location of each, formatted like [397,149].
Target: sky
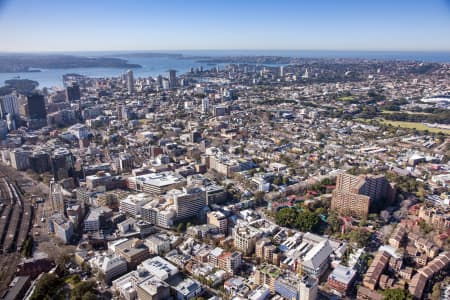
[103,25]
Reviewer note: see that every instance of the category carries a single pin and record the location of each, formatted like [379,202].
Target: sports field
[412,125]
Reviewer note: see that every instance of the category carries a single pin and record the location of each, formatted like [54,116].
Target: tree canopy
[300,219]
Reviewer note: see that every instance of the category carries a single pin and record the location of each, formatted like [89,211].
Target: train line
[25,225]
[16,217]
[13,228]
[4,221]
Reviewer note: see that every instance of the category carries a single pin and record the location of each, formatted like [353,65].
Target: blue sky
[85,25]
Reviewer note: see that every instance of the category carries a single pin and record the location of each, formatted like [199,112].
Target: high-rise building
[125,162]
[57,198]
[205,105]
[36,107]
[189,202]
[9,105]
[281,71]
[165,84]
[355,194]
[130,81]
[173,78]
[40,161]
[73,92]
[62,163]
[306,74]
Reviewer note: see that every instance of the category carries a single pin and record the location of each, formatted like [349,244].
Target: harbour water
[159,65]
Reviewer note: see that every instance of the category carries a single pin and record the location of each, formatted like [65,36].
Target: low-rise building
[219,220]
[153,288]
[133,251]
[378,266]
[341,279]
[111,266]
[245,238]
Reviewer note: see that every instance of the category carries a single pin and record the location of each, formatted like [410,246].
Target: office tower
[165,84]
[189,202]
[73,92]
[33,107]
[205,105]
[306,75]
[62,163]
[281,71]
[57,198]
[159,80]
[125,162]
[130,82]
[356,194]
[173,78]
[39,161]
[9,105]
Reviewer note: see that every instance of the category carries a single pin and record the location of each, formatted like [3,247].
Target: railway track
[13,228]
[4,221]
[25,225]
[15,223]
[8,263]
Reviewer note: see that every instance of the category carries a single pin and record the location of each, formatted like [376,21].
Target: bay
[159,65]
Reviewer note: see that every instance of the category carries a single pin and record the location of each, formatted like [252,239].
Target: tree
[360,236]
[334,222]
[83,290]
[303,220]
[180,227]
[47,287]
[307,221]
[396,294]
[424,227]
[89,296]
[436,293]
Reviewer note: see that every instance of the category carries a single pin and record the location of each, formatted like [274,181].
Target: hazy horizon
[201,25]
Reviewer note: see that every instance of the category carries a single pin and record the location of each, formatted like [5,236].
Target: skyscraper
[306,74]
[173,78]
[281,71]
[130,82]
[9,105]
[73,92]
[205,105]
[36,107]
[62,163]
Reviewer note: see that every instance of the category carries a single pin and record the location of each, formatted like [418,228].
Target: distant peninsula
[22,86]
[11,63]
[147,54]
[249,59]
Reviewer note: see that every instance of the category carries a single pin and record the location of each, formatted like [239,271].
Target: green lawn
[414,125]
[404,112]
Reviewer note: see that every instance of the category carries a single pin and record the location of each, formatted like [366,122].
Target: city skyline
[55,26]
